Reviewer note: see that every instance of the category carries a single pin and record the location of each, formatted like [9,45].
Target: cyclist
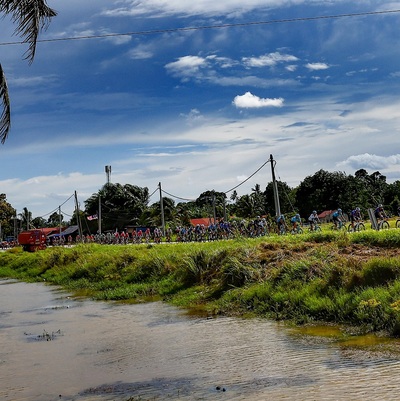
[263,226]
[295,220]
[280,220]
[380,213]
[337,218]
[355,216]
[313,220]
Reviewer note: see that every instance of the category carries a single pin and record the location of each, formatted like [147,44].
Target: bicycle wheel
[317,229]
[360,227]
[385,225]
[350,229]
[398,223]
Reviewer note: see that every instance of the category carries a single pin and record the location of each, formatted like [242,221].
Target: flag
[92,217]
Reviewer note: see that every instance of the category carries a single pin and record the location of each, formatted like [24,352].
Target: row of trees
[124,205]
[128,205]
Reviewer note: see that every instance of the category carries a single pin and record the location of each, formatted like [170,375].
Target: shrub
[381,271]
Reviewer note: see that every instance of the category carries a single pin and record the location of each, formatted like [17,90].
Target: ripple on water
[154,352]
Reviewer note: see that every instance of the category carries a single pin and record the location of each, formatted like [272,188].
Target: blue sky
[199,109]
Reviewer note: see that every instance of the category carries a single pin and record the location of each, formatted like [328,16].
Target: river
[54,347]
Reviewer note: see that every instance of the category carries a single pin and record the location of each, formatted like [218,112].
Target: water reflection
[105,351]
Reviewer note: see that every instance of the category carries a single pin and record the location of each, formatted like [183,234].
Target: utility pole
[15,227]
[214,211]
[162,210]
[275,187]
[99,215]
[78,217]
[59,218]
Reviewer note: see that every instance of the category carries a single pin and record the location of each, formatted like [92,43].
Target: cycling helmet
[314,211]
[358,209]
[339,210]
[380,205]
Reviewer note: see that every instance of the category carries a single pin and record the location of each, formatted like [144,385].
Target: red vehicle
[32,240]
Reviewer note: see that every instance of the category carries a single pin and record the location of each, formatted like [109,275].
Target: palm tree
[31,17]
[26,218]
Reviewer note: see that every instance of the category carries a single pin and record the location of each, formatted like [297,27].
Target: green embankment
[332,277]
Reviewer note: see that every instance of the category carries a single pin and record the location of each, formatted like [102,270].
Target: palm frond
[5,116]
[31,17]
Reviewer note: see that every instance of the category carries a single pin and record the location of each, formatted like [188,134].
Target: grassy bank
[333,277]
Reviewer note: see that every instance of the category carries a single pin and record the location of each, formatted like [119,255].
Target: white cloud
[291,67]
[193,116]
[248,100]
[370,161]
[162,8]
[268,60]
[186,66]
[206,69]
[140,53]
[317,66]
[32,81]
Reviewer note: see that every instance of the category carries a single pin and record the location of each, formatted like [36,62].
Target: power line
[177,197]
[57,209]
[206,27]
[248,178]
[230,190]
[153,193]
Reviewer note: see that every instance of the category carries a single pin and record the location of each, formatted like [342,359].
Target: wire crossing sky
[196,95]
[194,28]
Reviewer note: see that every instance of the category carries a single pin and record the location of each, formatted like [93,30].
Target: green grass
[328,276]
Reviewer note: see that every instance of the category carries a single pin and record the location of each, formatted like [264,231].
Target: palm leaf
[31,16]
[5,116]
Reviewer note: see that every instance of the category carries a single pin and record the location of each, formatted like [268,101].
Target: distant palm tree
[26,218]
[31,16]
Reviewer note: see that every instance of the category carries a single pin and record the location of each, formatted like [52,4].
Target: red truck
[32,240]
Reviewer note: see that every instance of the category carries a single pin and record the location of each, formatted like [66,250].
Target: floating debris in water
[45,336]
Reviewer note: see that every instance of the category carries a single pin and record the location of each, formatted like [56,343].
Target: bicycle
[398,223]
[340,227]
[383,224]
[297,230]
[316,228]
[358,226]
[282,229]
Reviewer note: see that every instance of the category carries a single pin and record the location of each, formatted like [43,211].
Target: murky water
[57,348]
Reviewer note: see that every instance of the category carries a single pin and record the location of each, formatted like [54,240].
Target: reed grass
[329,276]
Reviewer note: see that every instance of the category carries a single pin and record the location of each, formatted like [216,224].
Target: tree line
[129,205]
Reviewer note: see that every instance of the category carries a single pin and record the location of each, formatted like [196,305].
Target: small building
[326,216]
[206,221]
[66,231]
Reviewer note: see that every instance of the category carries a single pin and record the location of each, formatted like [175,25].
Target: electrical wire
[153,192]
[178,197]
[206,27]
[248,178]
[287,195]
[230,190]
[56,209]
